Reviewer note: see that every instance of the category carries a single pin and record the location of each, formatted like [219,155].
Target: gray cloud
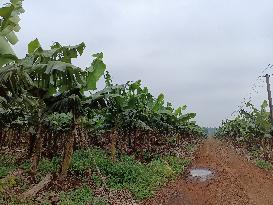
[205,54]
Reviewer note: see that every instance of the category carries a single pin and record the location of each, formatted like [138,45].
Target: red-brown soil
[236,181]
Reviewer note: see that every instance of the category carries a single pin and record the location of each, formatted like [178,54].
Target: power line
[254,88]
[268,67]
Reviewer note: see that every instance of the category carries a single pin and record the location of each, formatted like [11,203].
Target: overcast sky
[202,53]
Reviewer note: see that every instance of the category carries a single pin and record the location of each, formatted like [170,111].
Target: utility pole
[269,97]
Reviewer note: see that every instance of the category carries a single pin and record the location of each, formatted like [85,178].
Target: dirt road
[236,181]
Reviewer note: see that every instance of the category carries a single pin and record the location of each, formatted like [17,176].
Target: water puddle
[201,174]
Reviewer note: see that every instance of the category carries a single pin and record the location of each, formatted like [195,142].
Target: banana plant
[52,71]
[44,73]
[9,24]
[67,102]
[250,128]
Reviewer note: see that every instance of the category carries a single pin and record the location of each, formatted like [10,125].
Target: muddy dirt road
[236,181]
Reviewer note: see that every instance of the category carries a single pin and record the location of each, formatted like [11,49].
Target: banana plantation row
[49,106]
[251,130]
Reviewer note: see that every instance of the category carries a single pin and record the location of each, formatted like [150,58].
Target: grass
[80,196]
[141,179]
[127,173]
[46,166]
[7,164]
[264,164]
[7,183]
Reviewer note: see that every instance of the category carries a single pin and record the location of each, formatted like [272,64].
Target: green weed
[141,179]
[264,164]
[79,196]
[46,166]
[7,164]
[127,173]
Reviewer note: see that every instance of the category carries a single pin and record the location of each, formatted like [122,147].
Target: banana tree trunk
[31,145]
[1,137]
[113,145]
[38,145]
[129,140]
[55,144]
[68,152]
[178,139]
